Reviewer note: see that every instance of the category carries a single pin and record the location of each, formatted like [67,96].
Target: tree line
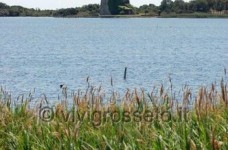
[180,6]
[84,11]
[6,10]
[166,7]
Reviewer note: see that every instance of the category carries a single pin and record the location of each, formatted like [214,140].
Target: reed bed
[137,120]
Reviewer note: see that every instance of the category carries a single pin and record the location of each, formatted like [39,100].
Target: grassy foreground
[136,121]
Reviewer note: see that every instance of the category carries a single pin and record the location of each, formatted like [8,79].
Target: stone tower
[104,8]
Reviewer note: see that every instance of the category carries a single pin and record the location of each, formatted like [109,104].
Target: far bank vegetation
[167,8]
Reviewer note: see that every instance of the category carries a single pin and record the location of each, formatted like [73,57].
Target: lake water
[43,53]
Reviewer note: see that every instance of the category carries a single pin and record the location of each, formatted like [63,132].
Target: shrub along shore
[138,120]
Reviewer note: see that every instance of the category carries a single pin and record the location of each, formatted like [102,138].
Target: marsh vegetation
[194,122]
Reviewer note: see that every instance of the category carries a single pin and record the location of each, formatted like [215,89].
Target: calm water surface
[43,53]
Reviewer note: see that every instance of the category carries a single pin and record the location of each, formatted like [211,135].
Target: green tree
[114,5]
[220,5]
[3,6]
[150,9]
[91,9]
[179,6]
[166,6]
[4,12]
[65,12]
[199,5]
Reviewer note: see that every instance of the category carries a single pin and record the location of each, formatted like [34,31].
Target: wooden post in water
[125,73]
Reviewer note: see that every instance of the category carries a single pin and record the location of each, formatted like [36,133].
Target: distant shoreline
[145,11]
[133,16]
[171,15]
